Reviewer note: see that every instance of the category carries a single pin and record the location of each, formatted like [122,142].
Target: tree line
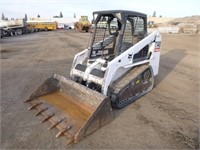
[26,17]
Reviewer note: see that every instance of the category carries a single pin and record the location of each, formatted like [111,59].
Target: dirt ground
[166,118]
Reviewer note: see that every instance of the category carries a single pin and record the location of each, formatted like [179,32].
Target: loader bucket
[75,110]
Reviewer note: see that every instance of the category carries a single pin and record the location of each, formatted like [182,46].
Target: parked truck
[2,32]
[13,27]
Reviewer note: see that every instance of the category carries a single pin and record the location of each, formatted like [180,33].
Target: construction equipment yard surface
[167,117]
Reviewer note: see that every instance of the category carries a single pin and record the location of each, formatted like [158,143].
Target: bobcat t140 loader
[117,68]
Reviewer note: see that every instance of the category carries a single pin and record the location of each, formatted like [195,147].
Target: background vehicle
[117,68]
[83,24]
[151,24]
[68,27]
[2,33]
[13,27]
[41,25]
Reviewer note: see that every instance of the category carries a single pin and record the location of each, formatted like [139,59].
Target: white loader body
[121,64]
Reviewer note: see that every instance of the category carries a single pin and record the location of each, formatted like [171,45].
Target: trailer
[2,33]
[13,27]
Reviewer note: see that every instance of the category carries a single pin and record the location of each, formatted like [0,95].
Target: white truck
[13,27]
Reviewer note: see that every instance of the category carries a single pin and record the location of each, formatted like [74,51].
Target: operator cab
[115,32]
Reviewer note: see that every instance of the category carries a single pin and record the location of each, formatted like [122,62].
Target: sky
[50,8]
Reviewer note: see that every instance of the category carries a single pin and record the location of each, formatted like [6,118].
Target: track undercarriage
[137,82]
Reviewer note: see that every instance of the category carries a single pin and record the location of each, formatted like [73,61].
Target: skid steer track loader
[117,68]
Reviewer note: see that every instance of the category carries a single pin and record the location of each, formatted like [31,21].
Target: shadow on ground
[174,56]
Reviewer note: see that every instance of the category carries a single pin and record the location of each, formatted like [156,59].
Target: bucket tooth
[47,118]
[55,124]
[70,141]
[30,99]
[40,111]
[62,132]
[35,105]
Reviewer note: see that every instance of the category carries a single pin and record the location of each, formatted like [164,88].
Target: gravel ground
[167,117]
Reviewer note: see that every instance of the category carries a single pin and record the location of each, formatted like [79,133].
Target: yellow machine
[83,24]
[41,25]
[152,24]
